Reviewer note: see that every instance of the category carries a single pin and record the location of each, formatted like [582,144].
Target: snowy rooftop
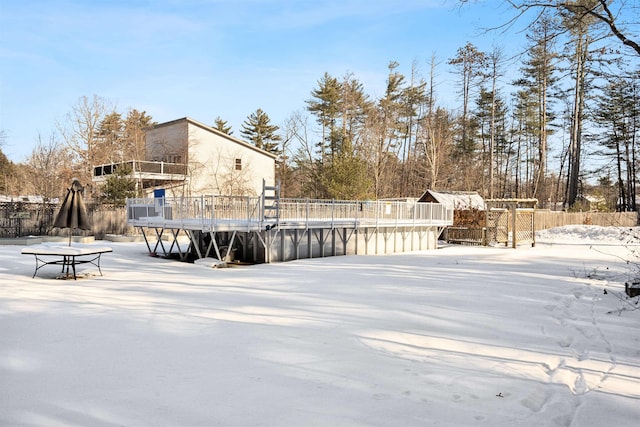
[458,200]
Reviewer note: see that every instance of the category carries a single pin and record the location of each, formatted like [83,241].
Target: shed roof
[458,200]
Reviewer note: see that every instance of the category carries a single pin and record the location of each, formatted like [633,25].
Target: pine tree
[540,81]
[523,136]
[6,166]
[414,106]
[387,131]
[257,128]
[618,114]
[109,144]
[354,107]
[468,63]
[222,126]
[580,26]
[491,117]
[6,171]
[325,105]
[133,134]
[119,186]
[346,178]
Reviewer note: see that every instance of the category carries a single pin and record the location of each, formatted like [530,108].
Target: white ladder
[270,205]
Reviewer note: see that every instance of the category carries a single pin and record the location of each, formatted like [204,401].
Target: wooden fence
[110,221]
[549,219]
[24,219]
[544,219]
[30,219]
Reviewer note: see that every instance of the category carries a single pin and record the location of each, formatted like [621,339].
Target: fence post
[202,210]
[248,212]
[514,224]
[333,213]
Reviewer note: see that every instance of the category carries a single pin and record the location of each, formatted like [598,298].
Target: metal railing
[140,166]
[362,212]
[211,210]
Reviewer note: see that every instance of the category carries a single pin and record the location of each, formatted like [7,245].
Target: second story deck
[148,173]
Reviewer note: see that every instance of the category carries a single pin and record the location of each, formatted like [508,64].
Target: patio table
[67,256]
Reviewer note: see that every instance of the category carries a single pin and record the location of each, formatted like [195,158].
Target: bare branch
[599,10]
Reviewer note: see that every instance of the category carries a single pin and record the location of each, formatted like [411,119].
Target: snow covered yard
[459,336]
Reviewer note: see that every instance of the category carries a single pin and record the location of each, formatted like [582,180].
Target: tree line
[557,122]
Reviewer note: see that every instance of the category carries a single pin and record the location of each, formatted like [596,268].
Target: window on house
[238,164]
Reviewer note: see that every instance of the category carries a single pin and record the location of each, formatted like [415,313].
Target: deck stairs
[271,205]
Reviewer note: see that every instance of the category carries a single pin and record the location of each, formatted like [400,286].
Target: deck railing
[141,167]
[208,210]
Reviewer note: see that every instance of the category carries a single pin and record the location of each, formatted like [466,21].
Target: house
[188,158]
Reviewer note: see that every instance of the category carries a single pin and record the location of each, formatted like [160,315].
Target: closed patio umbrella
[73,213]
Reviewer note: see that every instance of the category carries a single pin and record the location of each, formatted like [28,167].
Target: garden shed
[469,217]
[485,222]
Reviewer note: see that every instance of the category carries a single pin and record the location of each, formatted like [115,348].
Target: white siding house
[217,163]
[189,158]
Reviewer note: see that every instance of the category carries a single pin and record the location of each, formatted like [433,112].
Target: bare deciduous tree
[50,174]
[79,131]
[50,166]
[618,16]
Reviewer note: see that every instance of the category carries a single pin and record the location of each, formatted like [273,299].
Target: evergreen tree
[538,78]
[618,114]
[414,107]
[119,186]
[580,26]
[325,105]
[346,178]
[390,107]
[354,107]
[386,135]
[6,171]
[222,126]
[133,134]
[257,128]
[469,64]
[6,166]
[496,116]
[491,118]
[109,141]
[523,136]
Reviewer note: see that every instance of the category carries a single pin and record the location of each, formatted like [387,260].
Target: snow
[459,336]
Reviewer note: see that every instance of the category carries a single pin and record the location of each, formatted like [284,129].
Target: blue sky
[209,58]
